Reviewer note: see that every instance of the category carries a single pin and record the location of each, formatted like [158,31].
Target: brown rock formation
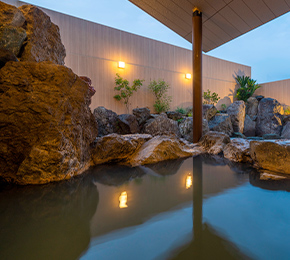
[238,150]
[237,113]
[271,155]
[45,121]
[10,15]
[214,142]
[43,37]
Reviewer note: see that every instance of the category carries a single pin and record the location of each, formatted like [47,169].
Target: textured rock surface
[249,126]
[252,107]
[6,56]
[161,148]
[237,113]
[12,38]
[46,123]
[142,115]
[43,37]
[128,124]
[271,155]
[10,15]
[269,117]
[117,148]
[238,150]
[174,115]
[286,131]
[221,123]
[107,121]
[214,142]
[208,111]
[161,125]
[186,128]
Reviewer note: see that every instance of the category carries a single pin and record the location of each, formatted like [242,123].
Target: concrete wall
[93,50]
[279,90]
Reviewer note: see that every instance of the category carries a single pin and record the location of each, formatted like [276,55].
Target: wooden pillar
[197,73]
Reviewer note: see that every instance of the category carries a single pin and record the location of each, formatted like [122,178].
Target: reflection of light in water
[188,182]
[123,200]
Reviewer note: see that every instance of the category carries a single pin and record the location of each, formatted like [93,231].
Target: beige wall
[93,50]
[279,90]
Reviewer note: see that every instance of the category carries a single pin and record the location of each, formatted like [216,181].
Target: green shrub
[247,87]
[125,91]
[160,89]
[210,98]
[224,107]
[181,110]
[287,111]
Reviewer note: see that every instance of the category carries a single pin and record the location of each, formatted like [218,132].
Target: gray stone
[238,150]
[174,115]
[238,135]
[237,113]
[186,128]
[252,107]
[161,125]
[12,38]
[107,121]
[271,136]
[269,118]
[271,155]
[259,98]
[142,115]
[214,142]
[6,56]
[208,111]
[249,126]
[128,124]
[286,118]
[286,131]
[221,123]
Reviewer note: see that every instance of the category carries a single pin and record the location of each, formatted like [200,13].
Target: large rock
[252,107]
[46,123]
[10,15]
[117,148]
[208,111]
[286,131]
[161,148]
[221,123]
[249,126]
[271,155]
[161,125]
[142,115]
[6,56]
[186,128]
[128,124]
[238,150]
[43,37]
[269,118]
[12,38]
[107,121]
[174,115]
[237,113]
[214,142]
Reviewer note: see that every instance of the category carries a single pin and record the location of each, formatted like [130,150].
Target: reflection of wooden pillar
[197,204]
[197,73]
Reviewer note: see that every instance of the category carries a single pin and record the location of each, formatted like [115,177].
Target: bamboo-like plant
[247,87]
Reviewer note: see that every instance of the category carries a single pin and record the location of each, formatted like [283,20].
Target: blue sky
[266,49]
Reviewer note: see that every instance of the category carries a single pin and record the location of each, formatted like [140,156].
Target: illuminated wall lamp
[188,76]
[121,64]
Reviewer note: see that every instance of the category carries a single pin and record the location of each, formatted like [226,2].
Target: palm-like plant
[247,87]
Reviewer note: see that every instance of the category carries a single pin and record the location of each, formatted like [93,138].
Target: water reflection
[47,222]
[188,181]
[123,200]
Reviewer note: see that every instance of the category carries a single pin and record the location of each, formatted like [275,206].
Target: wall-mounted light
[188,76]
[121,64]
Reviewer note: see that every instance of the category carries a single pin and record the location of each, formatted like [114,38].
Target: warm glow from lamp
[121,64]
[188,76]
[188,182]
[123,200]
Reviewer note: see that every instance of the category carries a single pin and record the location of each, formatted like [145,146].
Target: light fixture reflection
[123,200]
[121,64]
[188,182]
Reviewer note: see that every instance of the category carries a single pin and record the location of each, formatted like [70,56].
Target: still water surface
[197,208]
